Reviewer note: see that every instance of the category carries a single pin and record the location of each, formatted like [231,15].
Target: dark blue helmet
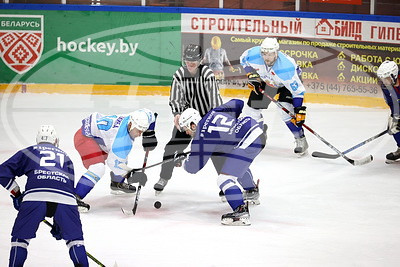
[193,53]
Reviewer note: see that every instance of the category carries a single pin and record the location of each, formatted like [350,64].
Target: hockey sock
[246,181]
[18,252]
[234,197]
[233,194]
[397,139]
[77,252]
[297,131]
[85,184]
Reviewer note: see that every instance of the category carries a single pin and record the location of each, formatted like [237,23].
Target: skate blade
[253,202]
[83,209]
[301,154]
[120,193]
[237,222]
[390,161]
[223,199]
[157,193]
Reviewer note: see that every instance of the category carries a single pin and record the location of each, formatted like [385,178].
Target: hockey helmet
[269,45]
[388,69]
[188,117]
[193,53]
[47,134]
[141,119]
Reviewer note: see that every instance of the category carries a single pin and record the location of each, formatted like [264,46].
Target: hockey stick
[354,162]
[87,253]
[335,156]
[130,170]
[135,204]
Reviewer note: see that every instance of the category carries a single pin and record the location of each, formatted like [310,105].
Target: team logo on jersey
[21,41]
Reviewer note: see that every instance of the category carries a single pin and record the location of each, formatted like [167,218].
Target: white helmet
[141,119]
[269,45]
[47,134]
[388,69]
[188,117]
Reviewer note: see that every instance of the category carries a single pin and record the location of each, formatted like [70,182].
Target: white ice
[313,212]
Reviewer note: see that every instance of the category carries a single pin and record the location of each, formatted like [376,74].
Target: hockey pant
[237,165]
[93,159]
[178,143]
[31,214]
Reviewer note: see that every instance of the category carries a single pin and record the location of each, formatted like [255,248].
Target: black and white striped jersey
[200,92]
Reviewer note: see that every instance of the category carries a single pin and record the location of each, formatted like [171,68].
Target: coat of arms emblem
[21,41]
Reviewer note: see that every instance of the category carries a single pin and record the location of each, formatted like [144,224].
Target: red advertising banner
[350,2]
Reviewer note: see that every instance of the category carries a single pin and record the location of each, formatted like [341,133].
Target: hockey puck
[157,204]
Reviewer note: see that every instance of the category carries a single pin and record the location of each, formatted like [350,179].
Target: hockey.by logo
[21,41]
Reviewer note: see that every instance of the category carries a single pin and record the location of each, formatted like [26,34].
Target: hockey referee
[193,86]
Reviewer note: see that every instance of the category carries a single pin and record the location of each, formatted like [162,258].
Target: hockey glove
[300,116]
[56,231]
[255,83]
[17,200]
[393,124]
[149,141]
[138,177]
[179,157]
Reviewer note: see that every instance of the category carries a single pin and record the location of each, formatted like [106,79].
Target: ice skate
[240,216]
[393,156]
[222,196]
[252,196]
[82,206]
[301,146]
[121,188]
[160,185]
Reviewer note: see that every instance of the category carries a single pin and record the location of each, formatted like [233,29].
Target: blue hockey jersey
[220,131]
[392,98]
[49,170]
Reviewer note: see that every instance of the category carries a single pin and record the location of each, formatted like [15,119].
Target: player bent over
[388,73]
[109,139]
[235,141]
[49,192]
[270,71]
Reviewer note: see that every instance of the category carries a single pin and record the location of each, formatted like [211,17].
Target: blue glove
[56,231]
[17,201]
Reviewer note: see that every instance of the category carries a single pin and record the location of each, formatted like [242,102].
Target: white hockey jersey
[111,133]
[284,73]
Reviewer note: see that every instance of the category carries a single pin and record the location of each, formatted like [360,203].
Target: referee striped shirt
[200,92]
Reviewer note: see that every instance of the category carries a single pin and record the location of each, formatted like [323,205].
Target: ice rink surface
[313,212]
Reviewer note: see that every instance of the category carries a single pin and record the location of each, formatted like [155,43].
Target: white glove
[393,124]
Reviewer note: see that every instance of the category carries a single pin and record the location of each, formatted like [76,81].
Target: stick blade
[127,212]
[317,154]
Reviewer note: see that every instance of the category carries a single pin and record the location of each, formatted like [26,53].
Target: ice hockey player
[109,139]
[235,140]
[193,86]
[49,192]
[270,71]
[388,73]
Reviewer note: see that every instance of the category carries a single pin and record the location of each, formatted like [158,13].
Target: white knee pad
[226,181]
[253,113]
[95,172]
[286,117]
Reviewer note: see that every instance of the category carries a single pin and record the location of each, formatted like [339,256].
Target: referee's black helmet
[193,53]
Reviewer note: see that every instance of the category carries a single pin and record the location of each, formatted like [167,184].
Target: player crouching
[232,141]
